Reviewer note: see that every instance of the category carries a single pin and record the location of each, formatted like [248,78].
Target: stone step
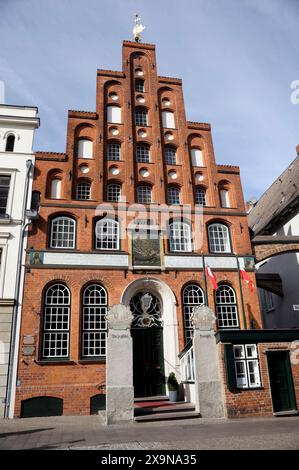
[154,398]
[167,416]
[169,407]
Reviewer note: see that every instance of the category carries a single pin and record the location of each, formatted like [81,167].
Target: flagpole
[241,293]
[205,278]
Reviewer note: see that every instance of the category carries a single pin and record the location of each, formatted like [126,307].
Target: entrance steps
[160,409]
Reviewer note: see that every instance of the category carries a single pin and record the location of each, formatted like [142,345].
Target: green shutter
[230,367]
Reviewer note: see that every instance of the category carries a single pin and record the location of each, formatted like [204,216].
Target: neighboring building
[17,126]
[85,254]
[274,221]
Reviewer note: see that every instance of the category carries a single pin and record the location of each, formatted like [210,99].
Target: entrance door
[147,335]
[281,381]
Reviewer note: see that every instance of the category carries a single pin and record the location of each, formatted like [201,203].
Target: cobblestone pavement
[88,432]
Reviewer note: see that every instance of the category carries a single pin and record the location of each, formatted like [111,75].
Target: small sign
[249,262]
[145,250]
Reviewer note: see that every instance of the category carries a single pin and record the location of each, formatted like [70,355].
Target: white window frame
[246,360]
[180,239]
[12,172]
[56,309]
[196,299]
[143,191]
[219,238]
[94,322]
[226,307]
[112,154]
[171,157]
[79,192]
[109,189]
[144,113]
[107,239]
[70,246]
[143,153]
[4,238]
[200,195]
[173,192]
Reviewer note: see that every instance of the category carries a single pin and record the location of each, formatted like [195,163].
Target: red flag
[211,275]
[247,279]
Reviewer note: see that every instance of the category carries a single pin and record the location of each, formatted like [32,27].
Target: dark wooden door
[281,381]
[148,362]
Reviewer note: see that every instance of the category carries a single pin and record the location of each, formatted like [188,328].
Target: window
[226,307]
[107,234]
[114,114]
[144,194]
[4,191]
[173,195]
[94,323]
[224,198]
[83,191]
[219,241]
[10,143]
[63,232]
[168,119]
[55,192]
[114,192]
[139,86]
[113,152]
[141,117]
[192,297]
[85,148]
[170,155]
[267,300]
[196,157]
[56,322]
[200,196]
[142,154]
[180,237]
[247,366]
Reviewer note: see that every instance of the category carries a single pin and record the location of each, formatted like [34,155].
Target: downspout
[14,341]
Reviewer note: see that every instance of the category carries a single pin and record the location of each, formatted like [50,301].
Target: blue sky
[237,59]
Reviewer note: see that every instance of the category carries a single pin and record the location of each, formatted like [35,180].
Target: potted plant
[173,387]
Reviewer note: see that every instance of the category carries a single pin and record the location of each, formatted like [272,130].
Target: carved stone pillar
[119,366]
[208,387]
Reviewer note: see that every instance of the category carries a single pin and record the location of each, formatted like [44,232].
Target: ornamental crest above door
[146,309]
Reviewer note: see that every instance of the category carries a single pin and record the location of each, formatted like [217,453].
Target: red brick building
[92,247]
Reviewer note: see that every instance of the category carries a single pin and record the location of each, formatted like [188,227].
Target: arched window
[63,232]
[173,195]
[141,117]
[107,234]
[139,85]
[180,236]
[193,296]
[200,196]
[224,197]
[55,190]
[83,191]
[85,149]
[219,240]
[170,155]
[168,119]
[56,322]
[94,323]
[114,192]
[144,194]
[114,152]
[226,307]
[10,143]
[196,157]
[114,114]
[142,153]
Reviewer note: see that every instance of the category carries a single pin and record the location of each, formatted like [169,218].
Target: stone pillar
[208,387]
[119,366]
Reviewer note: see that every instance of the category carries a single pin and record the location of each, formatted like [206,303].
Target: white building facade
[17,126]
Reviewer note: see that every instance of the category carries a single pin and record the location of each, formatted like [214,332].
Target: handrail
[187,363]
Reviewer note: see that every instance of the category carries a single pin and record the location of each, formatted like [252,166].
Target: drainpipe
[16,317]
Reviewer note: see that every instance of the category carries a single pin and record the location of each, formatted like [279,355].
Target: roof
[281,197]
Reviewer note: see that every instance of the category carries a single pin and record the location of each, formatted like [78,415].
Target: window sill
[63,362]
[249,389]
[92,361]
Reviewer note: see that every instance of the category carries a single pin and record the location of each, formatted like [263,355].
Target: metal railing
[187,363]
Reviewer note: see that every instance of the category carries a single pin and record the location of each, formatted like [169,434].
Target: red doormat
[152,404]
